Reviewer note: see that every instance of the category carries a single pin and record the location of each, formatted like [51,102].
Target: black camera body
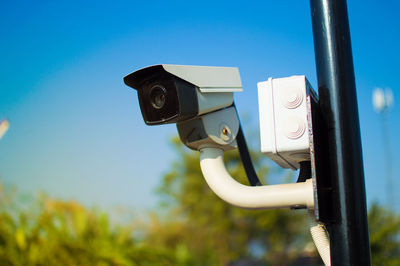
[175,93]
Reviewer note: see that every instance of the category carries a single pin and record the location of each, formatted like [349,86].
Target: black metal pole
[347,220]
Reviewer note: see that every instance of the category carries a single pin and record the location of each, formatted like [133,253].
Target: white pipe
[321,239]
[261,197]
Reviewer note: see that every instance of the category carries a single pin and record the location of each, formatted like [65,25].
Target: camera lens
[158,96]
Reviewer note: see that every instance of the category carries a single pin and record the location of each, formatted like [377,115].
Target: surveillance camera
[176,93]
[199,100]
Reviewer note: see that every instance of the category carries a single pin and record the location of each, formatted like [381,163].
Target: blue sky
[76,131]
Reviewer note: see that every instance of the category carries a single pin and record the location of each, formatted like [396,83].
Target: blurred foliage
[193,227]
[53,232]
[384,227]
[217,233]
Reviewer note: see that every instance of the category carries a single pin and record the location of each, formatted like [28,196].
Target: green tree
[194,228]
[54,232]
[216,233]
[384,226]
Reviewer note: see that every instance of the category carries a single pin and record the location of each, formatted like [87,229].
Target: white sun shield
[208,79]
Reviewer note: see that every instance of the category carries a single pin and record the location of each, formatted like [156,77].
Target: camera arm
[293,195]
[216,132]
[212,142]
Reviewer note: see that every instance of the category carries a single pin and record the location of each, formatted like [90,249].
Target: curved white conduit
[261,197]
[321,239]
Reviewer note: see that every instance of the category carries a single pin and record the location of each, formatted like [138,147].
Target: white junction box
[285,119]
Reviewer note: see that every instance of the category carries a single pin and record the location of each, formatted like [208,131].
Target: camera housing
[175,93]
[217,129]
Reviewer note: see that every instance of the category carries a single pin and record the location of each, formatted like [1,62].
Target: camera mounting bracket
[294,195]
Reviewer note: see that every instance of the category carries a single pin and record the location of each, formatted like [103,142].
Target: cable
[305,171]
[321,239]
[245,156]
[246,159]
